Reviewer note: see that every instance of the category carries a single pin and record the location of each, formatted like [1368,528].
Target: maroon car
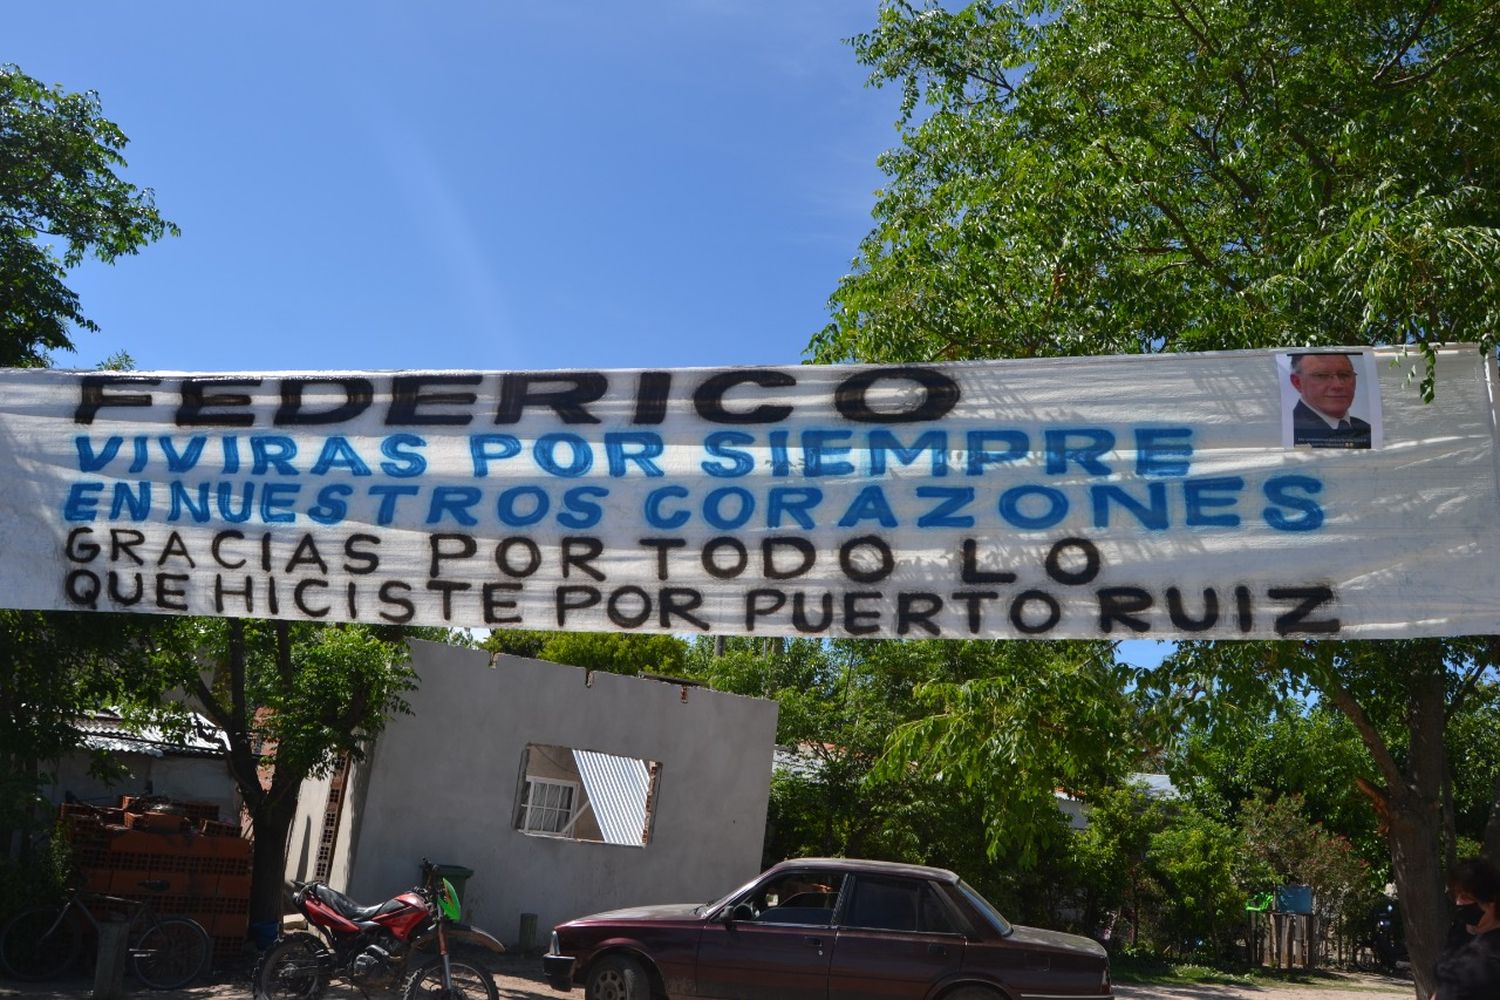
[826,929]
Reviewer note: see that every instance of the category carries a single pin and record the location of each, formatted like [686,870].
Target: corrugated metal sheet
[617,788]
[105,730]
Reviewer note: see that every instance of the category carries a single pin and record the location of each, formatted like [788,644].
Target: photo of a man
[1327,384]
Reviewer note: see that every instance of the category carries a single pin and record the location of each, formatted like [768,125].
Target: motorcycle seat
[352,910]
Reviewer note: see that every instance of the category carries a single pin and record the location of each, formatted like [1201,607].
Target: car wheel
[617,978]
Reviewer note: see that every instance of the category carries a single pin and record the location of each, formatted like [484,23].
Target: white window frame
[530,809]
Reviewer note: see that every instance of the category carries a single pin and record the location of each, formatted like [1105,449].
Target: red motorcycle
[413,942]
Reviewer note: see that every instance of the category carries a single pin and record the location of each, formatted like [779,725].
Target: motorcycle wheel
[1365,959]
[292,969]
[470,981]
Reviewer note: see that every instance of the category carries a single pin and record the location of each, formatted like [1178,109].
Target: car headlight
[554,947]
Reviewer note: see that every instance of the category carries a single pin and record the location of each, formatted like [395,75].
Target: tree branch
[1211,150]
[241,760]
[1374,742]
[284,672]
[1451,54]
[1407,42]
[238,716]
[1197,31]
[1183,233]
[1471,679]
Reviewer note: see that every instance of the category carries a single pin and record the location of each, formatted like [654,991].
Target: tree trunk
[1419,884]
[1415,831]
[273,824]
[1450,823]
[1411,806]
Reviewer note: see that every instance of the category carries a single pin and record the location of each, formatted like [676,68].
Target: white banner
[1240,494]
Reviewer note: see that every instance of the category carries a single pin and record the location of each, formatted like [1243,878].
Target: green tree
[293,701]
[1193,860]
[54,667]
[61,200]
[1148,175]
[1108,857]
[1230,759]
[1122,176]
[1474,756]
[1403,699]
[615,652]
[1013,722]
[856,793]
[836,710]
[1284,845]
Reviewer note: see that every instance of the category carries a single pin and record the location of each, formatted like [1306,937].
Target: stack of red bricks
[204,862]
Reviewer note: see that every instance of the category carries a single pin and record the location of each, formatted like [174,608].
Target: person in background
[1469,968]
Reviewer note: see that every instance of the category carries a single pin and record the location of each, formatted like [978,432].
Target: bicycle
[165,953]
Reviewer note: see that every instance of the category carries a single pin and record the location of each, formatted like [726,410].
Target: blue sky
[474,183]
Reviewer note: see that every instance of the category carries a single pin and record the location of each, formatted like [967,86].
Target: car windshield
[722,901]
[983,906]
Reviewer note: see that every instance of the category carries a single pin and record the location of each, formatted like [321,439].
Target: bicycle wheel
[471,981]
[39,943]
[171,952]
[292,969]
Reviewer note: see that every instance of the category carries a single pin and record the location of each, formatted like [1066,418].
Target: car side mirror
[743,911]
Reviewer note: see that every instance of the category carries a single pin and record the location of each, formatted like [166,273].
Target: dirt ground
[521,979]
[1350,988]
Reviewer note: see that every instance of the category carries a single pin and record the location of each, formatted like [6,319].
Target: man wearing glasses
[1321,419]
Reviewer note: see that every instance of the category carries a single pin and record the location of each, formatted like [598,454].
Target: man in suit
[1321,419]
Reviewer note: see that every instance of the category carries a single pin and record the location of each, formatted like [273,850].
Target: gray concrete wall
[443,783]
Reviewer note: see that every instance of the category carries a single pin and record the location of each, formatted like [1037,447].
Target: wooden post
[109,969]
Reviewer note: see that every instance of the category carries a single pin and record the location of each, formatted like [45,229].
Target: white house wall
[443,783]
[186,779]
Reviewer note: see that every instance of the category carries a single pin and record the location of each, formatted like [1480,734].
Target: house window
[547,806]
[586,795]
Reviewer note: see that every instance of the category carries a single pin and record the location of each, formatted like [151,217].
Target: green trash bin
[457,874]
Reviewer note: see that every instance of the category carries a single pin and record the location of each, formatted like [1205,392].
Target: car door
[896,938]
[774,943]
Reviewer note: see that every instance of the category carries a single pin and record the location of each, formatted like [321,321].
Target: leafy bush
[43,878]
